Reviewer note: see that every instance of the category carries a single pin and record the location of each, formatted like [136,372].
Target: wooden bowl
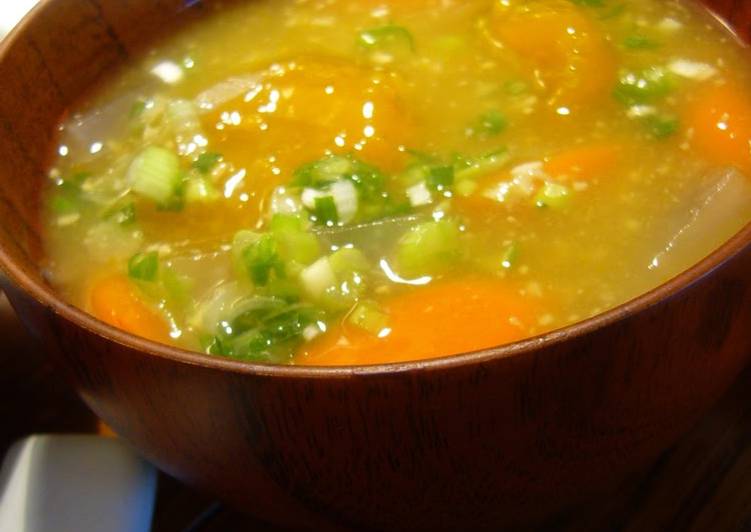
[474,441]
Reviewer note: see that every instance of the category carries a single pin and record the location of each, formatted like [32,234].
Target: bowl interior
[63,50]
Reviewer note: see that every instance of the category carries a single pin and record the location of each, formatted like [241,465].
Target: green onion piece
[286,289]
[553,195]
[325,171]
[295,245]
[155,174]
[144,266]
[286,222]
[199,190]
[78,178]
[466,187]
[640,42]
[240,242]
[206,162]
[178,287]
[414,174]
[213,345]
[137,109]
[261,259]
[390,39]
[348,260]
[428,248]
[483,165]
[263,329]
[491,124]
[270,336]
[662,126]
[62,204]
[510,256]
[368,316]
[647,86]
[325,212]
[440,177]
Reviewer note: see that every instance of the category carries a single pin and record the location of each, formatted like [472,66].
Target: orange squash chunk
[302,110]
[720,117]
[565,48]
[585,162]
[113,300]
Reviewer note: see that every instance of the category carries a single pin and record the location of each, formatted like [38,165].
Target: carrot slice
[584,163]
[114,300]
[441,319]
[720,117]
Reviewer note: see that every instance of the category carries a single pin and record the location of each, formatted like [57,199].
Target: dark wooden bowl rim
[45,295]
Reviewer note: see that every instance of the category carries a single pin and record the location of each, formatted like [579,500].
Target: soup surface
[366,181]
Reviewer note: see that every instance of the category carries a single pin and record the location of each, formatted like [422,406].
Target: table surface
[701,484]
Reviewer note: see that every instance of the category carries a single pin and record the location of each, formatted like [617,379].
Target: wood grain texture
[703,484]
[506,436]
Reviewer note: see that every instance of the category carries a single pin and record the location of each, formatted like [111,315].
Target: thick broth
[363,181]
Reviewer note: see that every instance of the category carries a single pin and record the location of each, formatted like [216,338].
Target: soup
[364,181]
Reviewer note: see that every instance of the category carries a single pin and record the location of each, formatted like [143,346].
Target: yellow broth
[493,169]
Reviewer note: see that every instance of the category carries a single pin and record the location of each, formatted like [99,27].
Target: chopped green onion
[261,259]
[466,187]
[324,171]
[640,42]
[78,178]
[285,289]
[643,87]
[510,256]
[491,124]
[62,204]
[286,222]
[485,164]
[144,266]
[176,203]
[325,211]
[155,174]
[428,248]
[348,260]
[206,162]
[137,109]
[294,243]
[387,42]
[662,126]
[200,190]
[553,195]
[263,329]
[440,177]
[178,287]
[368,316]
